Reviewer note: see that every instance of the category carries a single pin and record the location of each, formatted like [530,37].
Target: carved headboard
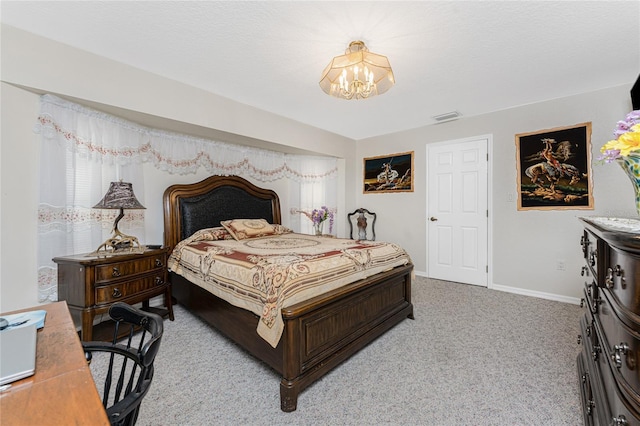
[191,207]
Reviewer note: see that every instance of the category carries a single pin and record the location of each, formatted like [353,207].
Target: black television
[635,95]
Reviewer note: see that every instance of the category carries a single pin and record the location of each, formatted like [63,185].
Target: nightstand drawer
[115,292]
[105,273]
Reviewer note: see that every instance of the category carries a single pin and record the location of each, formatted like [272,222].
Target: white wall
[526,244]
[18,192]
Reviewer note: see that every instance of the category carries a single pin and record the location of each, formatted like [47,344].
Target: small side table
[91,284]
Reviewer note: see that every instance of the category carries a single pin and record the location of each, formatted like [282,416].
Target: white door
[457,214]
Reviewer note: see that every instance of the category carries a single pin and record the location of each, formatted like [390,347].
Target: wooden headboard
[191,207]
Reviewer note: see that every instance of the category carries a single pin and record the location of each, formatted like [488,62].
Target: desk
[62,390]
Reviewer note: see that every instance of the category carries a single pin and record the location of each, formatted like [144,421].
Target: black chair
[126,363]
[364,221]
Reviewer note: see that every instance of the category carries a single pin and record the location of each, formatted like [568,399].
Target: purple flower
[625,125]
[320,215]
[610,155]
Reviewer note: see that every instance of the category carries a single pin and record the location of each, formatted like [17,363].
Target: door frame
[490,207]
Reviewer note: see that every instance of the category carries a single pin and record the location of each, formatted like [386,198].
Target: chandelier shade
[357,74]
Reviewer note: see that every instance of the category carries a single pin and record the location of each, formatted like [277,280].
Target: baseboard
[525,292]
[538,294]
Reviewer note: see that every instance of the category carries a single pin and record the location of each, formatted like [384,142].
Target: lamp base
[119,243]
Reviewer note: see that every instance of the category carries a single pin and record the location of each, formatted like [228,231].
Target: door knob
[433,219]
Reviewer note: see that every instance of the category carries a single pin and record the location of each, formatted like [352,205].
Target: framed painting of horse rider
[554,169]
[389,173]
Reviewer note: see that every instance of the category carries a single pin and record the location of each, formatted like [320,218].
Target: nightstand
[91,284]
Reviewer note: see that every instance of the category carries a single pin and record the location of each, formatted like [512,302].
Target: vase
[317,228]
[631,166]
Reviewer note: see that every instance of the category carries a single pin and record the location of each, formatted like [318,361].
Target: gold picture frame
[554,169]
[388,173]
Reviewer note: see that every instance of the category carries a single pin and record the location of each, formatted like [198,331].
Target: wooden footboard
[319,333]
[323,332]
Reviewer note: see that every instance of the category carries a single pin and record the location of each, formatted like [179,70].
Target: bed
[318,333]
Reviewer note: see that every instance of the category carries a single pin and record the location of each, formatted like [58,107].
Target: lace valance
[108,139]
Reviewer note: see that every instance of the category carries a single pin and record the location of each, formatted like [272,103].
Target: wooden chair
[365,221]
[129,370]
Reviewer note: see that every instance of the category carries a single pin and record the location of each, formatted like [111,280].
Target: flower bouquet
[318,216]
[625,150]
[627,139]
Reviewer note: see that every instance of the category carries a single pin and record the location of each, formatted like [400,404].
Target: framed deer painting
[554,169]
[388,173]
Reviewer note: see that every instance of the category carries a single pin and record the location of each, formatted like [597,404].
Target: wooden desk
[62,390]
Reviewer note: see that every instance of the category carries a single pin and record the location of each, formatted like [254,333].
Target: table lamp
[119,196]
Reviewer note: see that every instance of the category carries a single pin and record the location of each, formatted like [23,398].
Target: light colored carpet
[472,356]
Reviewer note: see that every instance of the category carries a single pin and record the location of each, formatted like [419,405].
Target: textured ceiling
[471,57]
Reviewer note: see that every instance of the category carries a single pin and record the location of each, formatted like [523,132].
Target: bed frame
[319,333]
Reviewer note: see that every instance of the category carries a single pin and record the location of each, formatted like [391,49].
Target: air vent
[454,115]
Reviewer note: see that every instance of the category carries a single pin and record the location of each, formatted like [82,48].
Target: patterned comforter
[263,275]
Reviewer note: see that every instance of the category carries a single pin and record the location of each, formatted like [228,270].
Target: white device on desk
[17,352]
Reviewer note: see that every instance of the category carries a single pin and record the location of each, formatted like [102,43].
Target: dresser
[91,284]
[609,362]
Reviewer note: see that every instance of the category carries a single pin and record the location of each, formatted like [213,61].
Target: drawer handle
[619,420]
[584,242]
[618,351]
[617,271]
[579,339]
[158,263]
[159,281]
[115,272]
[595,353]
[582,301]
[592,257]
[584,270]
[116,293]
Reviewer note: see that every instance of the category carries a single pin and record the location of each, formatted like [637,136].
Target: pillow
[244,229]
[207,234]
[211,234]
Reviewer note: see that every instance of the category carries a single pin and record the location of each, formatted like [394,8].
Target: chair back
[365,224]
[125,365]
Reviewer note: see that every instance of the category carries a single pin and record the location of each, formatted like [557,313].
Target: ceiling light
[357,74]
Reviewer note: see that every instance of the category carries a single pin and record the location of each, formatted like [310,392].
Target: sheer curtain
[83,150]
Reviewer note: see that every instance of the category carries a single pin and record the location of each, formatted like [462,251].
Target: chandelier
[357,74]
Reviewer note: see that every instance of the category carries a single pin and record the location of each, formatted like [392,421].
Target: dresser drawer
[590,362]
[588,335]
[109,272]
[622,278]
[594,251]
[586,392]
[621,346]
[112,293]
[622,407]
[591,297]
